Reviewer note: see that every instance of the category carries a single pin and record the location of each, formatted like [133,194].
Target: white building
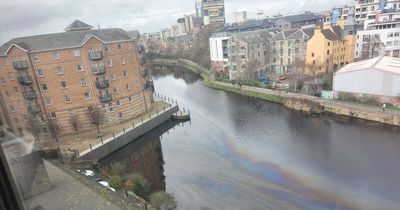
[378,77]
[219,53]
[240,17]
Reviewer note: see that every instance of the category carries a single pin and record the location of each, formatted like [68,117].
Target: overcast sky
[30,17]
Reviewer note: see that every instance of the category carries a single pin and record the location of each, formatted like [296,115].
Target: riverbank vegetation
[119,179]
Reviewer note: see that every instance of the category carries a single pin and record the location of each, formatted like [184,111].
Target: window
[64,84]
[390,35]
[67,99]
[397,34]
[113,77]
[119,46]
[127,86]
[288,51]
[60,70]
[83,82]
[39,73]
[7,94]
[56,55]
[15,90]
[313,62]
[327,52]
[130,98]
[125,74]
[48,101]
[12,108]
[121,115]
[35,58]
[105,48]
[44,87]
[2,81]
[87,95]
[118,103]
[115,90]
[76,53]
[11,76]
[122,60]
[79,67]
[53,115]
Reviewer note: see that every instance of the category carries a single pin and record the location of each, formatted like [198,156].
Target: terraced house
[288,48]
[249,53]
[65,74]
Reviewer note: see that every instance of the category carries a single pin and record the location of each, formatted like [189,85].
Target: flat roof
[384,63]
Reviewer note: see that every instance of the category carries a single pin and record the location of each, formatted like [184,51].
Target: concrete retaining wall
[100,151]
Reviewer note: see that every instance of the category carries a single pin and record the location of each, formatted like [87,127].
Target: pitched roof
[249,25]
[64,40]
[334,34]
[259,36]
[301,17]
[78,25]
[384,63]
[294,34]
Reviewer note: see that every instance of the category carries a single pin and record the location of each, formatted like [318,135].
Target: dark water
[243,153]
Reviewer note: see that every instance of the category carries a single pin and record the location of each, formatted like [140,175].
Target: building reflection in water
[144,156]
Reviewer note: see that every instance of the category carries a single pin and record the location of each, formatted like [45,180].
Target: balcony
[102,84]
[142,61]
[25,80]
[34,108]
[145,73]
[95,55]
[30,94]
[140,48]
[20,65]
[105,98]
[99,70]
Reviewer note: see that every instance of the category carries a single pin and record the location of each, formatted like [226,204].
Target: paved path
[372,109]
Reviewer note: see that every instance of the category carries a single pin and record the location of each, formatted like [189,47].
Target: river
[243,153]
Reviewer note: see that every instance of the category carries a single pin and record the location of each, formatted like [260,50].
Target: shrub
[115,181]
[141,186]
[128,185]
[117,169]
[163,201]
[104,173]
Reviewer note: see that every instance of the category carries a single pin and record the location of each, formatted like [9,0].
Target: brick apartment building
[61,75]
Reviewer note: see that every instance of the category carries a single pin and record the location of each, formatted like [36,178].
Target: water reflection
[144,156]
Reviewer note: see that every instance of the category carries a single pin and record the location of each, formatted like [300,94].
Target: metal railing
[105,98]
[25,80]
[95,55]
[99,70]
[30,94]
[102,84]
[20,65]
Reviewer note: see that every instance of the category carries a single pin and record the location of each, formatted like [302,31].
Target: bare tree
[75,124]
[251,68]
[297,68]
[55,132]
[97,117]
[34,127]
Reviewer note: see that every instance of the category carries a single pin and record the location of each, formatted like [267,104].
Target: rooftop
[384,63]
[301,17]
[294,34]
[77,33]
[249,25]
[259,36]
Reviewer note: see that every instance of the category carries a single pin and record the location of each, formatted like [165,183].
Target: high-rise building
[199,12]
[240,17]
[67,74]
[260,15]
[213,12]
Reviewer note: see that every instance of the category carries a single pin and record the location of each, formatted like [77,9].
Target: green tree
[115,181]
[163,201]
[117,169]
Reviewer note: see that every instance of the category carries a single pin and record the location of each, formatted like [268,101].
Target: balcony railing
[102,84]
[34,109]
[140,48]
[25,80]
[142,61]
[105,98]
[20,65]
[95,55]
[30,94]
[145,73]
[99,70]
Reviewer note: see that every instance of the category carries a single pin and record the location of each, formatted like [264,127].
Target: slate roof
[249,25]
[334,35]
[294,34]
[301,17]
[78,25]
[259,36]
[64,40]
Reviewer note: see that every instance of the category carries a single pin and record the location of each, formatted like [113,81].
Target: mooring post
[133,124]
[149,116]
[101,138]
[113,135]
[142,120]
[77,152]
[124,129]
[157,111]
[170,105]
[90,145]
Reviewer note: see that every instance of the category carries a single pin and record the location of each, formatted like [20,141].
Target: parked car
[282,77]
